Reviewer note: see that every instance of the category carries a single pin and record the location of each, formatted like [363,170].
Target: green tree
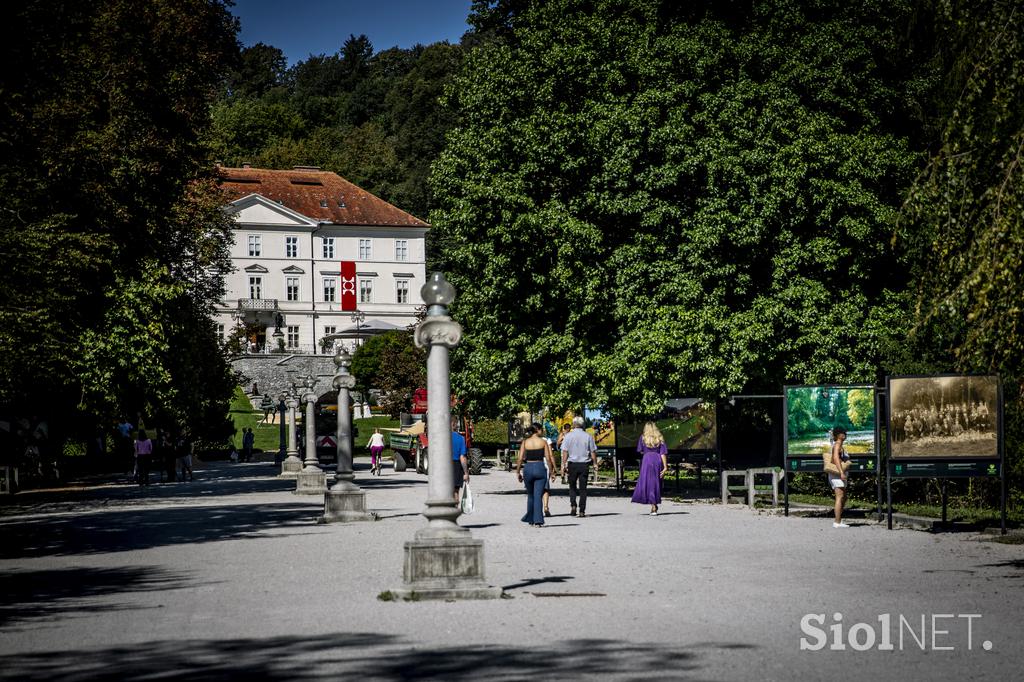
[115,240]
[962,227]
[645,199]
[392,363]
[260,69]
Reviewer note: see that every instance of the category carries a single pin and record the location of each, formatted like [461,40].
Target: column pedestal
[445,568]
[290,467]
[310,482]
[345,505]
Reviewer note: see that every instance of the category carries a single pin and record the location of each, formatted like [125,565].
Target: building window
[328,248]
[293,336]
[255,287]
[330,329]
[402,291]
[402,249]
[366,291]
[220,332]
[291,247]
[365,249]
[255,245]
[291,286]
[330,289]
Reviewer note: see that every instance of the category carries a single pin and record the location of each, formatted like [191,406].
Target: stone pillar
[311,480]
[344,501]
[443,561]
[291,466]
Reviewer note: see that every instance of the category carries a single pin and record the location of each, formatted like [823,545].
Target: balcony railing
[258,304]
[271,349]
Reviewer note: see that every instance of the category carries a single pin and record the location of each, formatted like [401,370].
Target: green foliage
[115,240]
[647,199]
[392,363]
[962,228]
[371,118]
[490,432]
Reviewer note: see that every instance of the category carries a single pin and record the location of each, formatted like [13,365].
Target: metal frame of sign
[945,467]
[871,463]
[676,456]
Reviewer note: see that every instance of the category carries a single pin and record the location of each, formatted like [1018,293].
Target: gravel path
[230,576]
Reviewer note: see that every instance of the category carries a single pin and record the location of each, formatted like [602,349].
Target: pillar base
[445,568]
[310,483]
[291,466]
[344,506]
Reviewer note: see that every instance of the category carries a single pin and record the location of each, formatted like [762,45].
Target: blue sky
[304,27]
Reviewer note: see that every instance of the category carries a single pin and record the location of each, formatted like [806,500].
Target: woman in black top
[530,470]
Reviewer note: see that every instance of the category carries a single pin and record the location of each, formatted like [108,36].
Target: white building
[294,227]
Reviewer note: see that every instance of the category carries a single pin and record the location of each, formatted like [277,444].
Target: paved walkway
[230,576]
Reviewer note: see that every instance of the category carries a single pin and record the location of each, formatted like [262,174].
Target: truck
[409,446]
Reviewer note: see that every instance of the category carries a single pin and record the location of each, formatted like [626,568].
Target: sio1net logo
[891,632]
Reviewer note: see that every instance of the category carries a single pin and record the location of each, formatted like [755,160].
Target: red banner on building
[348,285]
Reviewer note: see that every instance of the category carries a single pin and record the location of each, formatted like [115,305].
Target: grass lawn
[268,435]
[243,416]
[1014,518]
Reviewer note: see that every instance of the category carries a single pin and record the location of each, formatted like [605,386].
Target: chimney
[246,164]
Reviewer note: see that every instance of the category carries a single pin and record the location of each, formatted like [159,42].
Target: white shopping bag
[466,499]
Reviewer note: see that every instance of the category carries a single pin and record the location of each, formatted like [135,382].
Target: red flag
[348,285]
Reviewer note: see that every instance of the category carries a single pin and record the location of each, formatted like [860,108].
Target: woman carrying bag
[837,462]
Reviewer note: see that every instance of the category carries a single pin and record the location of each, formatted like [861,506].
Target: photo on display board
[599,424]
[944,416]
[813,411]
[688,425]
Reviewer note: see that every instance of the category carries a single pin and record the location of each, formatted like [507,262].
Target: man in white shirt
[579,451]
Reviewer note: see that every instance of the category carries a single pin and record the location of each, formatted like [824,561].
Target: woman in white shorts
[840,462]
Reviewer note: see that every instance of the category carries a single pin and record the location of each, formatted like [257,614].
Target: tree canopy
[112,227]
[373,118]
[646,199]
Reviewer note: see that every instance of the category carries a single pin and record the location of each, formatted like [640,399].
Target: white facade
[288,264]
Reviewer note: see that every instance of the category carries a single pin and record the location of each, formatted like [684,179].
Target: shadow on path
[124,530]
[32,596]
[356,656]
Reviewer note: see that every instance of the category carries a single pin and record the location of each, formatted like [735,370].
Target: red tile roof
[306,191]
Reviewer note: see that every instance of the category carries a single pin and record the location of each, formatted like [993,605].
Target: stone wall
[272,373]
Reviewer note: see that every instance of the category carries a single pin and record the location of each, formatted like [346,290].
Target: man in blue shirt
[578,452]
[460,465]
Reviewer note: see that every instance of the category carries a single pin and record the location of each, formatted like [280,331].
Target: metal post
[945,500]
[785,487]
[878,453]
[888,488]
[444,561]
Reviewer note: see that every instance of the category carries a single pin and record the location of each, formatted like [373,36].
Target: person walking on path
[183,446]
[143,454]
[579,451]
[248,441]
[538,429]
[460,465]
[836,466]
[653,465]
[532,468]
[376,445]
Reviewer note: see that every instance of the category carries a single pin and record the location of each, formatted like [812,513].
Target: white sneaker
[839,525]
[653,513]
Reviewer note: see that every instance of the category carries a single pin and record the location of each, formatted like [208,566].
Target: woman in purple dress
[653,465]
